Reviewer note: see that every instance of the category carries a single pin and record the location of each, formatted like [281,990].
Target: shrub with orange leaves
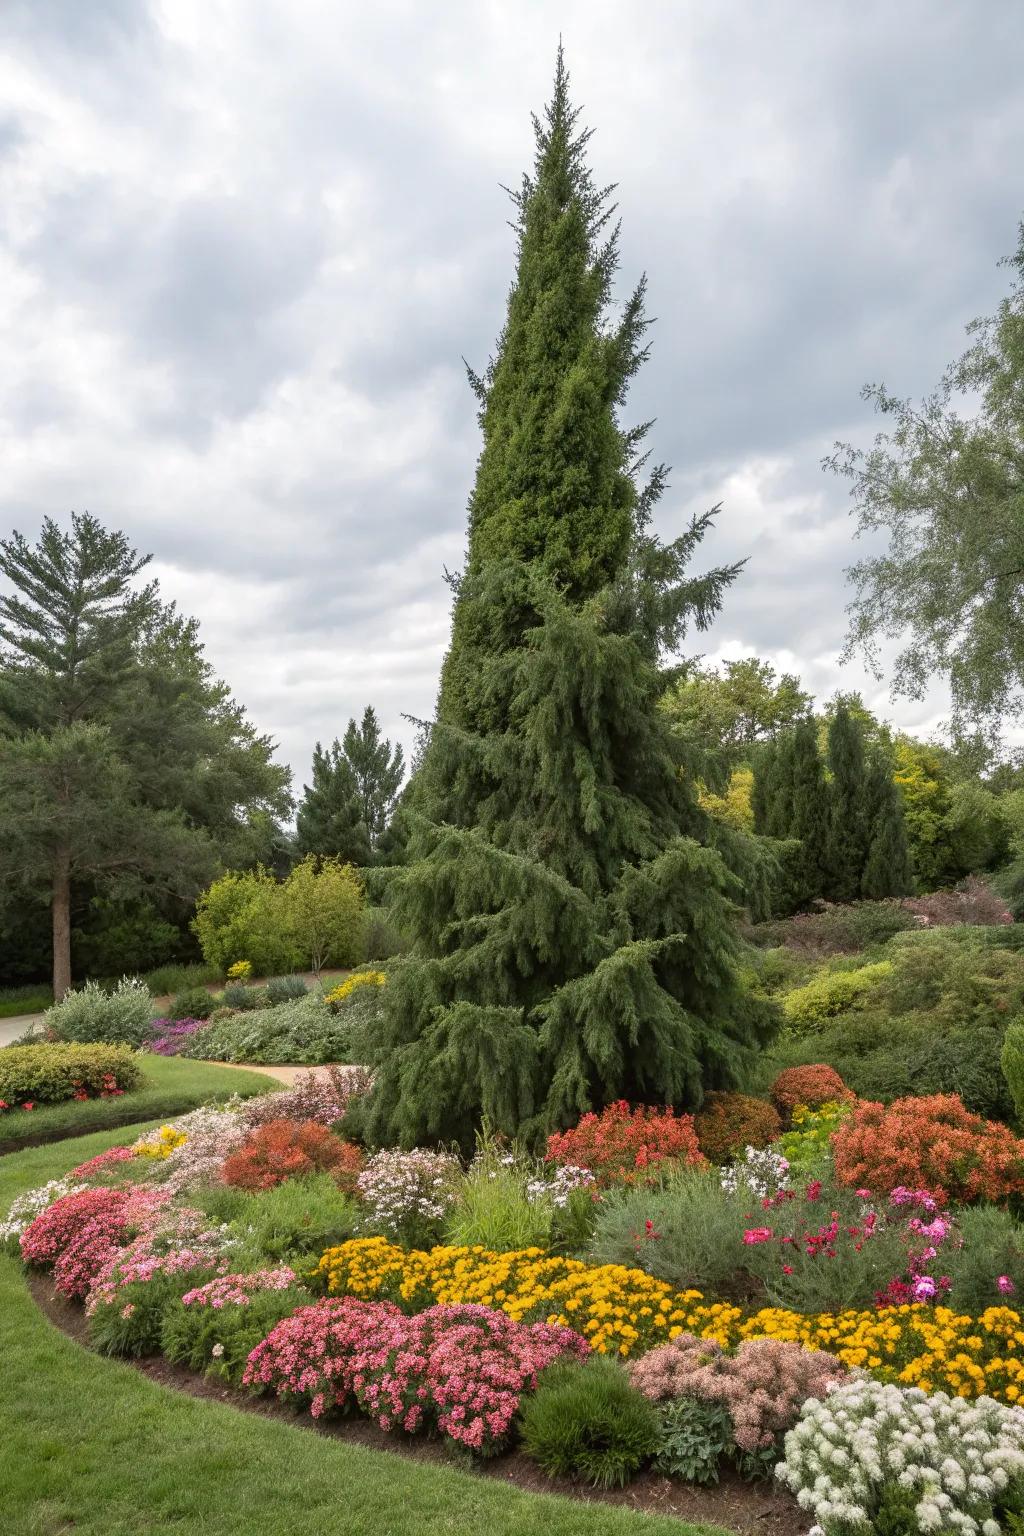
[284,1149]
[812,1085]
[623,1145]
[728,1123]
[931,1143]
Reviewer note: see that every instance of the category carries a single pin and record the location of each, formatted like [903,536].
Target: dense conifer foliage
[572,922]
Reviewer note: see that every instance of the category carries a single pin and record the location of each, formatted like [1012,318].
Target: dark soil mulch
[749,1509]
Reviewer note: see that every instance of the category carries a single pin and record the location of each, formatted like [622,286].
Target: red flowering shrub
[627,1146]
[730,1122]
[78,1235]
[814,1086]
[929,1143]
[462,1369]
[286,1149]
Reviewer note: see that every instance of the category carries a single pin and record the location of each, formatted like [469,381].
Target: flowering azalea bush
[461,1369]
[811,1086]
[868,1452]
[289,1149]
[628,1146]
[933,1143]
[729,1122]
[103,1162]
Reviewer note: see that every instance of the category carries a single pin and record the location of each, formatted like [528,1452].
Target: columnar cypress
[810,807]
[888,869]
[572,926]
[849,831]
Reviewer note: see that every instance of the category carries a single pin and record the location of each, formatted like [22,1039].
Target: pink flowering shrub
[463,1369]
[322,1096]
[102,1162]
[79,1234]
[763,1385]
[238,1290]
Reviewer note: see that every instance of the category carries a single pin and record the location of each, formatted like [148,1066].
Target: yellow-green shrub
[51,1074]
[809,1008]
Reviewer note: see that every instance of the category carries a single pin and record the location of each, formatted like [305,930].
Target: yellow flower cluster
[625,1311]
[159,1144]
[345,988]
[240,971]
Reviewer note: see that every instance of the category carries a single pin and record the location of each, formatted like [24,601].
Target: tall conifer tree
[572,926]
[849,829]
[810,807]
[887,871]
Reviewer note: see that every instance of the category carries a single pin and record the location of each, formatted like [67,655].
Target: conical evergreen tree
[849,832]
[331,816]
[763,764]
[810,807]
[378,770]
[780,789]
[888,870]
[573,929]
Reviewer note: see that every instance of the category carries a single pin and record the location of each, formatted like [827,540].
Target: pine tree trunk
[61,907]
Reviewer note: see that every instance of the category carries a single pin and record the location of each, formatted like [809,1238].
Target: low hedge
[52,1074]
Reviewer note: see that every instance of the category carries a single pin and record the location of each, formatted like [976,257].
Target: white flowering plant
[872,1456]
[407,1195]
[26,1207]
[760,1172]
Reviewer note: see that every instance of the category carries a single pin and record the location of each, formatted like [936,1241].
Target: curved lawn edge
[175,1085]
[93,1445]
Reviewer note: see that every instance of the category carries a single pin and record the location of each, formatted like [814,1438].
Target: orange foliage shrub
[730,1122]
[814,1085]
[286,1149]
[931,1143]
[627,1146]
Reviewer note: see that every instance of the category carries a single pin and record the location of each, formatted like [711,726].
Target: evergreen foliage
[887,871]
[572,924]
[125,767]
[347,811]
[849,831]
[810,808]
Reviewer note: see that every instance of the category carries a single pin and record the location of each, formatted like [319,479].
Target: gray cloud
[243,251]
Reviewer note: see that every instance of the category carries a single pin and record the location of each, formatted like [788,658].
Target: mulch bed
[749,1509]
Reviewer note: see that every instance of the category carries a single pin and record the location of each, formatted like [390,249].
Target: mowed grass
[91,1446]
[174,1086]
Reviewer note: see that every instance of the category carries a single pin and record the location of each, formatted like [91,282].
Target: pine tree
[378,770]
[573,929]
[888,870]
[125,766]
[849,831]
[331,816]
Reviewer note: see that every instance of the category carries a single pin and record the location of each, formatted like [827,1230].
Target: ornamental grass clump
[872,1456]
[286,1149]
[628,1146]
[929,1143]
[763,1386]
[587,1422]
[408,1195]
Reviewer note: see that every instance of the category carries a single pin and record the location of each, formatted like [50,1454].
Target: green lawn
[92,1446]
[175,1085]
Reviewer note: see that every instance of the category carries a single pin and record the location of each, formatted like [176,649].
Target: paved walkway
[283,1074]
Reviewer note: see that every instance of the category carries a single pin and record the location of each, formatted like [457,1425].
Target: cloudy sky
[245,244]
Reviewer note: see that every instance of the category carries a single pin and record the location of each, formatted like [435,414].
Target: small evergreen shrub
[304,1032]
[729,1122]
[622,1145]
[285,989]
[586,1421]
[192,1003]
[243,999]
[52,1074]
[1011,1061]
[808,1008]
[986,1265]
[88,1015]
[929,1143]
[688,1233]
[286,1149]
[813,1085]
